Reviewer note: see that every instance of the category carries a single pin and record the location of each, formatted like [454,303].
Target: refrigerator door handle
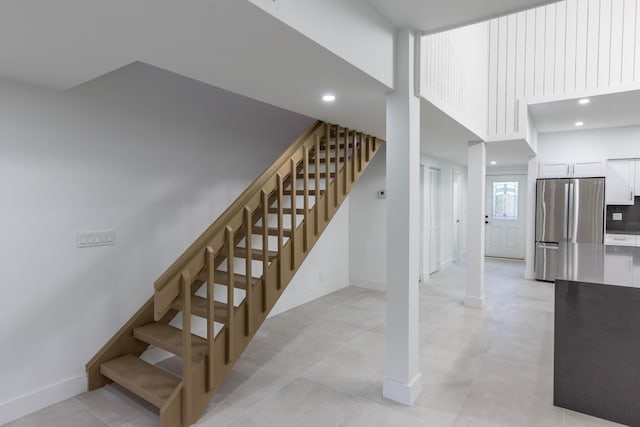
[572,218]
[566,215]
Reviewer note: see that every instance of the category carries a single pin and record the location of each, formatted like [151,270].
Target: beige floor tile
[301,403]
[112,405]
[68,413]
[355,369]
[372,414]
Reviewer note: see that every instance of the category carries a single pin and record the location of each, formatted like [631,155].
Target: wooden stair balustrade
[304,188]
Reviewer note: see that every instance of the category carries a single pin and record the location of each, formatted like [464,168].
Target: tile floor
[321,365]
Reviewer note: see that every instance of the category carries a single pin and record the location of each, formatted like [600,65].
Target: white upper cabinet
[571,169]
[620,182]
[554,170]
[588,169]
[637,186]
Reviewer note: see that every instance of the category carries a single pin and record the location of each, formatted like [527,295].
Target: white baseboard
[41,398]
[368,284]
[400,392]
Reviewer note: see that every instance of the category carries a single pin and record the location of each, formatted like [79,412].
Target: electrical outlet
[88,239]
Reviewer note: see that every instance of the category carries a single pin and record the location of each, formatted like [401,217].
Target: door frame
[522,206]
[434,211]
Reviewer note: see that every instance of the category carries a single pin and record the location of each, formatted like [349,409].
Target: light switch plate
[617,216]
[88,239]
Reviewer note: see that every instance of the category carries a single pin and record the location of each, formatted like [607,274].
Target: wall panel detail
[563,50]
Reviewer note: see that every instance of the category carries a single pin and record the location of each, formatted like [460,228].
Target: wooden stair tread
[301,192]
[153,384]
[200,308]
[256,254]
[287,211]
[272,231]
[222,278]
[312,175]
[169,338]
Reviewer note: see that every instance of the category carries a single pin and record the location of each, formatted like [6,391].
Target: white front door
[505,216]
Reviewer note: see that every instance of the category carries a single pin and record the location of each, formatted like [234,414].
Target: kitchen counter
[604,265]
[635,232]
[596,344]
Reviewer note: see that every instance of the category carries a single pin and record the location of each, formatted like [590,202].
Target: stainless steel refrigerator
[567,210]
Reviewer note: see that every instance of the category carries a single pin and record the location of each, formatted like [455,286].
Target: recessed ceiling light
[584,101]
[579,123]
[328,97]
[493,162]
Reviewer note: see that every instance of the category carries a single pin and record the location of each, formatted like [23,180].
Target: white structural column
[476,170]
[531,214]
[402,381]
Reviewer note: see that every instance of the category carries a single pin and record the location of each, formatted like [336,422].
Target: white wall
[351,29]
[621,142]
[367,227]
[151,154]
[455,74]
[367,221]
[563,50]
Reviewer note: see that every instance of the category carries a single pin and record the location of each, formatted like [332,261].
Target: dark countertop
[599,264]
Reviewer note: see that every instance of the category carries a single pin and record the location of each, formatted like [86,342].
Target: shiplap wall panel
[502,77]
[529,77]
[628,40]
[581,44]
[570,45]
[492,127]
[615,43]
[539,58]
[560,48]
[571,49]
[550,31]
[636,68]
[510,83]
[604,52]
[593,43]
[457,75]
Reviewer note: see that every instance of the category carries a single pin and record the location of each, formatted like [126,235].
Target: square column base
[405,394]
[475,302]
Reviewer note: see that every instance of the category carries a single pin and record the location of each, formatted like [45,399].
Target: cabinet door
[620,182]
[554,170]
[637,186]
[617,268]
[620,239]
[587,169]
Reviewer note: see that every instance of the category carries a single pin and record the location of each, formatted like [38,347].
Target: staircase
[233,275]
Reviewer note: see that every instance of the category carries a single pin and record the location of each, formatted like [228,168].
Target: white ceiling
[432,16]
[231,44]
[603,111]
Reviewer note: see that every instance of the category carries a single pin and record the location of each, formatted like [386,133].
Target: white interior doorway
[457,214]
[505,216]
[434,220]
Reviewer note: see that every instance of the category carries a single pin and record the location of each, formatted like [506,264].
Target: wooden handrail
[221,223]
